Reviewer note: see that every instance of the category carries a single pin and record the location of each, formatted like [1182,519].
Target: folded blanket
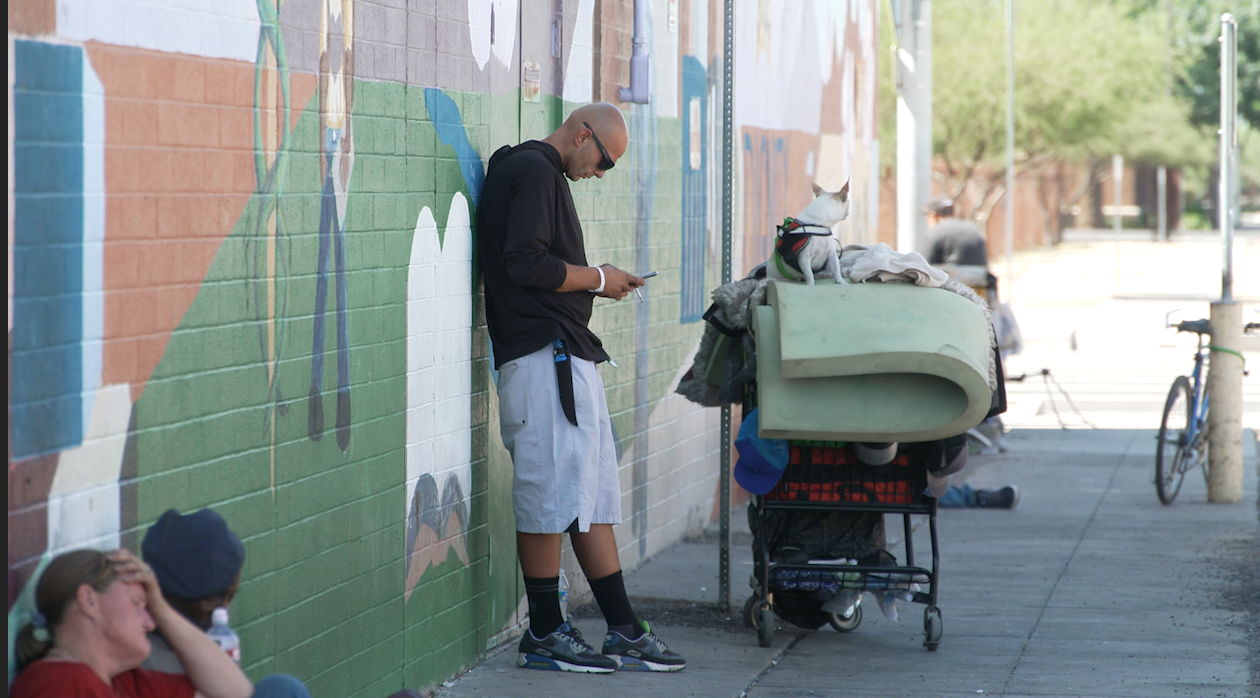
[879,262]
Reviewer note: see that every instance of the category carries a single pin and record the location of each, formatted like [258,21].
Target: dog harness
[792,237]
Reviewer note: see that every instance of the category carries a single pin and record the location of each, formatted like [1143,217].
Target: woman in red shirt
[87,636]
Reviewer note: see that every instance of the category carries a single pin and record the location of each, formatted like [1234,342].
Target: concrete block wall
[241,240]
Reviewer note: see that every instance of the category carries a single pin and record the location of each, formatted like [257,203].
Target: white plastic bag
[1009,339]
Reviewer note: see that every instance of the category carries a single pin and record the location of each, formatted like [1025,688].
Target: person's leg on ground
[539,554]
[596,551]
[958,497]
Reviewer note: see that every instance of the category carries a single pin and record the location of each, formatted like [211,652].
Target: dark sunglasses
[607,163]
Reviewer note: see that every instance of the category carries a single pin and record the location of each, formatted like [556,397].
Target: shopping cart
[828,477]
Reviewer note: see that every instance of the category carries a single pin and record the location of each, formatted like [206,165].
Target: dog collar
[792,226]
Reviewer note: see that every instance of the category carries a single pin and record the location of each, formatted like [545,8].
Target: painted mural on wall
[817,125]
[439,391]
[336,154]
[227,185]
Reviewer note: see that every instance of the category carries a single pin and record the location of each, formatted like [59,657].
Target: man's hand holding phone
[619,283]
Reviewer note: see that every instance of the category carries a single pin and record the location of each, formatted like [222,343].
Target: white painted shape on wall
[479,30]
[439,351]
[579,71]
[505,29]
[222,29]
[781,68]
[83,501]
[93,236]
[780,83]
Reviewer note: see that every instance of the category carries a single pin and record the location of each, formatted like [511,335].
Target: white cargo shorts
[562,472]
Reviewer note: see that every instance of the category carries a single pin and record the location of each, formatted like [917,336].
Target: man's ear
[843,194]
[817,189]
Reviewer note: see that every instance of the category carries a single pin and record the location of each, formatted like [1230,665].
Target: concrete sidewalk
[1089,587]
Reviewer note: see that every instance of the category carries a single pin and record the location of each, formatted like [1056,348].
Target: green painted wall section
[324,530]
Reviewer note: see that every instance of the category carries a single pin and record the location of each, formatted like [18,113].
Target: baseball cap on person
[194,556]
[941,206]
[761,461]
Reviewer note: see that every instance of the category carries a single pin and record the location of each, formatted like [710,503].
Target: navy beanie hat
[194,556]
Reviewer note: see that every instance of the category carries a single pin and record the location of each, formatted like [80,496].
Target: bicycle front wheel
[1171,448]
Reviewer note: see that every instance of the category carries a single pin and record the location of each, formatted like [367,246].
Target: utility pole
[1161,203]
[1010,147]
[1117,188]
[913,20]
[1225,367]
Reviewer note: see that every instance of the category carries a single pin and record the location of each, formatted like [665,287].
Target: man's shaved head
[608,123]
[580,136]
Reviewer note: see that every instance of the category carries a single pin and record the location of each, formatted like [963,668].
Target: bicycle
[1182,442]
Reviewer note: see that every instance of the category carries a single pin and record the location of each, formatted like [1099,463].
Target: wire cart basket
[827,476]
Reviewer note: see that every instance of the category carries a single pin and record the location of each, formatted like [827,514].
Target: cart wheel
[765,626]
[750,611]
[846,625]
[932,628]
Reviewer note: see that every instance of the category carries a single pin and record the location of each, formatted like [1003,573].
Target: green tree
[1195,29]
[1091,79]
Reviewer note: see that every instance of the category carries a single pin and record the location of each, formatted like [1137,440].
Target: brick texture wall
[242,277]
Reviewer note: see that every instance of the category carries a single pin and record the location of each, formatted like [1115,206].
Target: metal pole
[914,120]
[1229,141]
[1161,203]
[1225,364]
[1117,188]
[1010,147]
[728,140]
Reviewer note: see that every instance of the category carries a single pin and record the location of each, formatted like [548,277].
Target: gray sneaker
[563,650]
[647,653]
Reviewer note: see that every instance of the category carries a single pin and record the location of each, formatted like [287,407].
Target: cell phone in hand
[647,275]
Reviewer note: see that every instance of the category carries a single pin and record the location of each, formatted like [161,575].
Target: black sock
[544,605]
[610,593]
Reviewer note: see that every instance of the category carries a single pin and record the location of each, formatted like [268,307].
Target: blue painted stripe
[46,401]
[449,125]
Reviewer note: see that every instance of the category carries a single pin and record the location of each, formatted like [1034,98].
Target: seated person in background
[197,561]
[87,636]
[956,246]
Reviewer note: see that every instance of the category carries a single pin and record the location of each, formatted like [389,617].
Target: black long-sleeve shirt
[527,228]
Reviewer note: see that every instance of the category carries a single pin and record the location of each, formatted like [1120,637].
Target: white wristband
[601,281]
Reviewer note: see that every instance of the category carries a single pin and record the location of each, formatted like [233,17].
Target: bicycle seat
[1197,326]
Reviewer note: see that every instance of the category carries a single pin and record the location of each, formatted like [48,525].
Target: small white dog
[806,243]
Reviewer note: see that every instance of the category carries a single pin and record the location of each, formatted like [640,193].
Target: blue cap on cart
[761,461]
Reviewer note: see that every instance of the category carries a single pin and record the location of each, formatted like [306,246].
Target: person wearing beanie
[197,560]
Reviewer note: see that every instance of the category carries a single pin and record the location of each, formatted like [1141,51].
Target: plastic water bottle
[223,636]
[564,596]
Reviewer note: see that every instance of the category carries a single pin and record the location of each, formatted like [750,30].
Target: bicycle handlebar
[1204,327]
[1196,326]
